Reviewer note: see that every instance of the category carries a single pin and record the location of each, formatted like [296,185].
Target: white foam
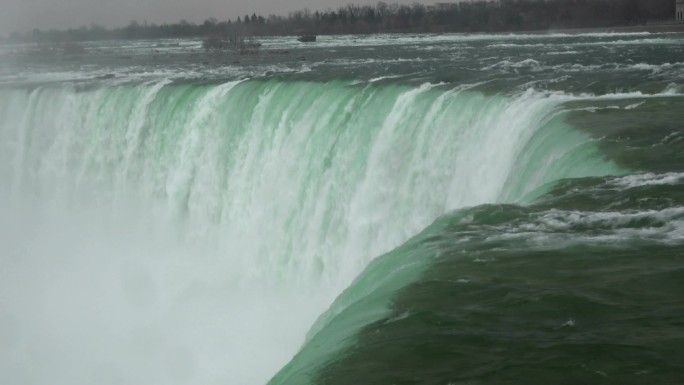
[561,228]
[649,179]
[507,64]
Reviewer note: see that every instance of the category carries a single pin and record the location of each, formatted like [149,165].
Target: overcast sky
[45,14]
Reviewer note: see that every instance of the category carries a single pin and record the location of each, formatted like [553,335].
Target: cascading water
[182,233]
[495,209]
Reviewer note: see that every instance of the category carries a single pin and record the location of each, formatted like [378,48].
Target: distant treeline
[465,16]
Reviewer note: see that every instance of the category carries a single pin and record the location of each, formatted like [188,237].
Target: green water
[430,209]
[581,286]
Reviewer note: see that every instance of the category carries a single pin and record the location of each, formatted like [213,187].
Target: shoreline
[655,28]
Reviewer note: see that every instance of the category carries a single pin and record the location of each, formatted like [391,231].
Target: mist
[87,301]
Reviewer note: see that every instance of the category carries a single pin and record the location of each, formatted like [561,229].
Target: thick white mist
[183,234]
[86,301]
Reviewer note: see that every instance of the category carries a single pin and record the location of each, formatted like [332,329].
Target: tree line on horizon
[470,16]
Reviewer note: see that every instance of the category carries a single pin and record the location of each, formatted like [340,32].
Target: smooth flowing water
[402,209]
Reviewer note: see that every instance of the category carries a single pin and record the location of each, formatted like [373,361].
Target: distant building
[680,10]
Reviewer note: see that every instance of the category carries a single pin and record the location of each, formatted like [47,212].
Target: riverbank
[655,28]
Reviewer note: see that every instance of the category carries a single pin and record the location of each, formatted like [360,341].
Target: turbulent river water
[390,209]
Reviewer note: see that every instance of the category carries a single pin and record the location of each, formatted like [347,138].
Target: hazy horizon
[62,14]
